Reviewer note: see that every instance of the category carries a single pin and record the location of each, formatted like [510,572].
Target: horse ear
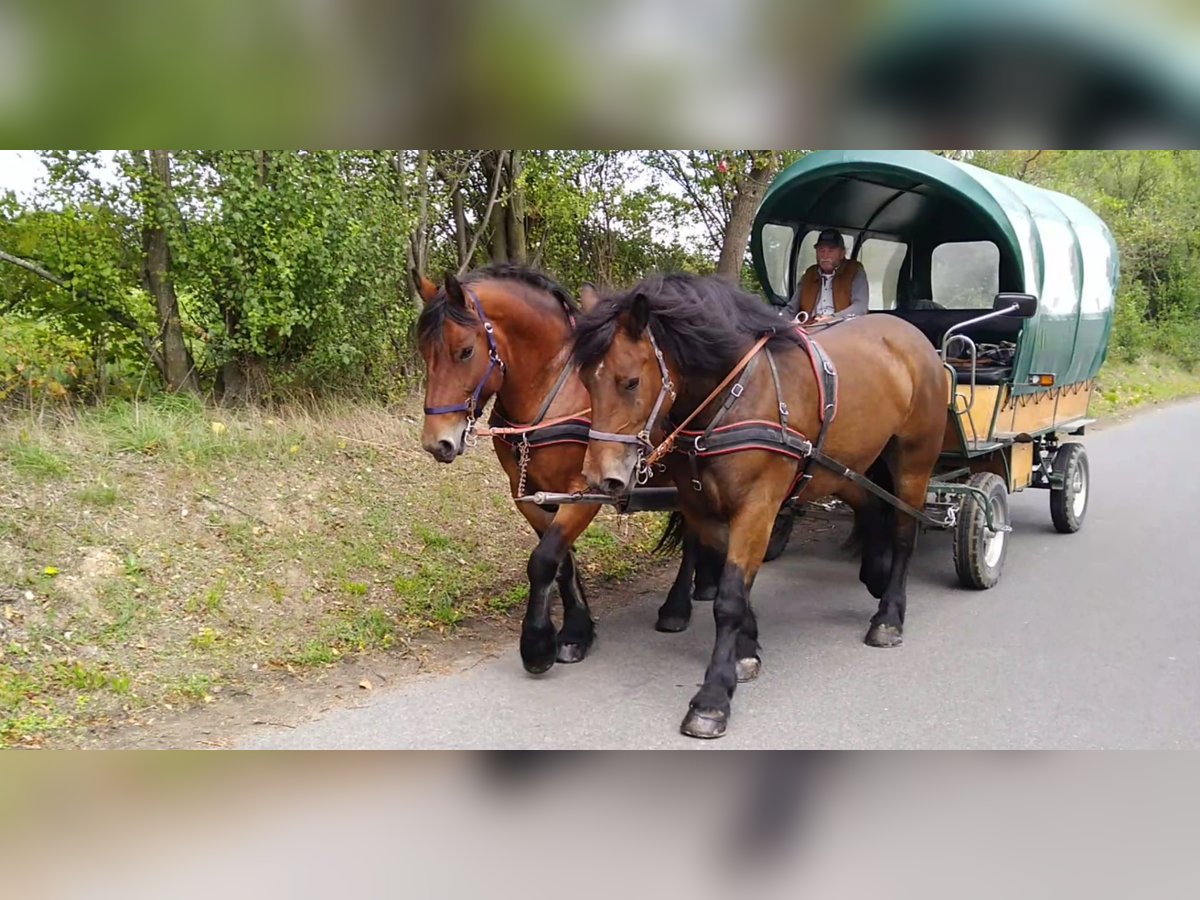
[454,291]
[589,299]
[426,288]
[639,315]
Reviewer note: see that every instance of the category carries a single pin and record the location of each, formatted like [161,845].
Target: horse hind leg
[675,615]
[875,524]
[578,631]
[912,481]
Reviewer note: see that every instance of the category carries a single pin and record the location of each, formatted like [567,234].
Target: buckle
[696,486]
[737,390]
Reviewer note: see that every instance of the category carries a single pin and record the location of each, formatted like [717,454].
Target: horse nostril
[612,485]
[442,451]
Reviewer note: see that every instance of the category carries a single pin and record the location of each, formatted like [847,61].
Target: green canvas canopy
[939,235]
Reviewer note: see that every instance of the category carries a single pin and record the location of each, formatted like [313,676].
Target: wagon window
[966,275]
[883,260]
[776,247]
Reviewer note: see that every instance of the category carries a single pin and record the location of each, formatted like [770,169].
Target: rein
[489,431]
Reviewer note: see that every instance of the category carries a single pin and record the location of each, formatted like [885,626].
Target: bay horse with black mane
[506,331]
[671,347]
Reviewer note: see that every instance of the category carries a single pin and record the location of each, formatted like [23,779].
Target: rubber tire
[1067,461]
[971,531]
[781,533]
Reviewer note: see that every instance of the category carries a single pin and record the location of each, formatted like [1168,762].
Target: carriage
[1013,284]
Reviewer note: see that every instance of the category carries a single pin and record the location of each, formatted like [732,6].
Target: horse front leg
[540,646]
[736,632]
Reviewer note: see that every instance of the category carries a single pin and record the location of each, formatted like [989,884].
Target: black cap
[830,237]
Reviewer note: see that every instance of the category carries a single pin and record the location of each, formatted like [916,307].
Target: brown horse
[506,331]
[669,344]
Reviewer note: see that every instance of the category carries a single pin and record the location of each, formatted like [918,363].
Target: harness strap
[848,473]
[666,446]
[826,378]
[735,393]
[783,407]
[745,436]
[554,391]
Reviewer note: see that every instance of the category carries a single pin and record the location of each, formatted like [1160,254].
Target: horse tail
[672,536]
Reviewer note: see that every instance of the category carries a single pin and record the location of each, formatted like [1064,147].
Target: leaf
[366,685]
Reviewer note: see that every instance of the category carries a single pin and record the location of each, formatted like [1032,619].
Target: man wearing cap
[833,288]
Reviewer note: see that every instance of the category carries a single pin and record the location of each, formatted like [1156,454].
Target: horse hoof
[571,653]
[705,724]
[538,651]
[672,624]
[883,636]
[748,668]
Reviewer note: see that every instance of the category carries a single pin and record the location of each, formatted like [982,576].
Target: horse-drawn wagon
[1015,286]
[988,319]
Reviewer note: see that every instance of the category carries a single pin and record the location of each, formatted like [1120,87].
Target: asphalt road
[1089,641]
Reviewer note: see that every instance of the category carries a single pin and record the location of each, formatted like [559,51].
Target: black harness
[756,434]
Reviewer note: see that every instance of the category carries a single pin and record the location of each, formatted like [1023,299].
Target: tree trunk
[460,226]
[156,273]
[749,193]
[497,210]
[515,208]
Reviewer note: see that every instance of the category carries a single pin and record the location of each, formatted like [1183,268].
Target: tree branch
[487,212]
[1025,165]
[711,222]
[117,315]
[34,268]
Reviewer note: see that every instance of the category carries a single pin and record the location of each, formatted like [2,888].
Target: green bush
[1178,338]
[39,364]
[1130,334]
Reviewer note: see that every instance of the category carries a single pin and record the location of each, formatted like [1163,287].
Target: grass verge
[161,555]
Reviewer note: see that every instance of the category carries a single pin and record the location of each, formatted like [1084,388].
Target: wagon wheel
[1068,504]
[978,551]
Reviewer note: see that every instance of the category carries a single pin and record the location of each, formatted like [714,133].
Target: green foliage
[291,267]
[1151,202]
[39,362]
[293,259]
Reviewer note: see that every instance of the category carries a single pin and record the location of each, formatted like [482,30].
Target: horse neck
[535,346]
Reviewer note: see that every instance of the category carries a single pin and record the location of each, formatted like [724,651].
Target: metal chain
[523,463]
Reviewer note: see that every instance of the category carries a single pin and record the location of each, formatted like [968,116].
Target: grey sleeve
[860,295]
[789,309]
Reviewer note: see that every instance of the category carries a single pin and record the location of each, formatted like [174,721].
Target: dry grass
[159,554]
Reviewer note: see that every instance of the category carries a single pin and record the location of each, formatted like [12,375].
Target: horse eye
[632,384]
[466,353]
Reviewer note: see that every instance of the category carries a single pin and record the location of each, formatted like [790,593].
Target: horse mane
[703,323]
[433,316]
